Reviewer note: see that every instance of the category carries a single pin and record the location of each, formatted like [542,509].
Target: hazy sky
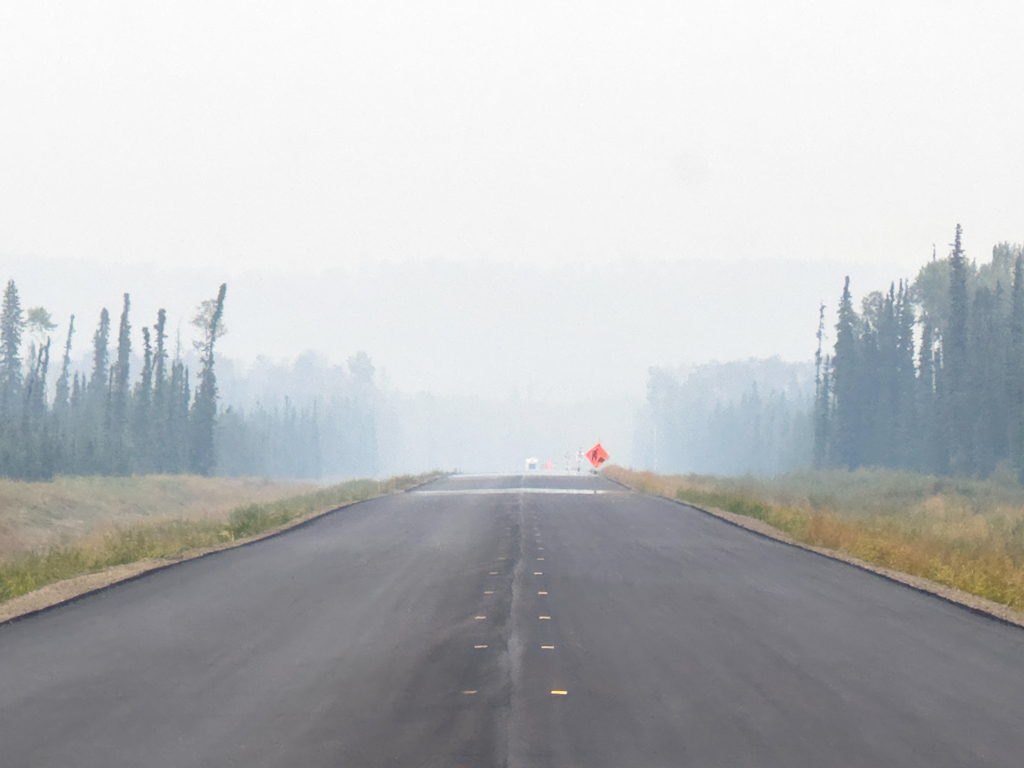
[297,135]
[626,184]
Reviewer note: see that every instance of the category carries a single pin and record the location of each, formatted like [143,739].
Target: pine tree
[821,398]
[119,459]
[845,368]
[1015,368]
[956,403]
[209,319]
[62,395]
[142,400]
[100,356]
[930,443]
[36,460]
[985,383]
[94,422]
[906,426]
[11,326]
[176,430]
[886,409]
[160,450]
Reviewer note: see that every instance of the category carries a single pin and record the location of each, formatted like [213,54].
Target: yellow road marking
[537,573]
[470,693]
[548,647]
[479,617]
[544,618]
[493,573]
[479,646]
[542,593]
[489,592]
[540,559]
[559,693]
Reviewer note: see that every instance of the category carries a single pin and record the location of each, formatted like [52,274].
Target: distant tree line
[928,376]
[327,427]
[101,422]
[732,418]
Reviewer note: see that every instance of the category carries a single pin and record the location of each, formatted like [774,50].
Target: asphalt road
[434,629]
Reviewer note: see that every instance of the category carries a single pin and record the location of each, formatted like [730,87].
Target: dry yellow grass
[966,534]
[159,537]
[34,516]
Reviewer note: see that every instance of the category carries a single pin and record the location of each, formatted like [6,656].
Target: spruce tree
[956,405]
[95,421]
[821,398]
[209,320]
[845,374]
[100,355]
[11,326]
[930,441]
[985,382]
[62,395]
[886,407]
[142,400]
[120,395]
[906,384]
[1015,368]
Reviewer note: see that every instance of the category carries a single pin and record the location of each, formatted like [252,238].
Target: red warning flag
[597,455]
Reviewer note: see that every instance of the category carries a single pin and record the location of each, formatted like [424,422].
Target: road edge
[68,591]
[980,606]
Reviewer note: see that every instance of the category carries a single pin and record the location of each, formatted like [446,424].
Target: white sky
[290,147]
[291,135]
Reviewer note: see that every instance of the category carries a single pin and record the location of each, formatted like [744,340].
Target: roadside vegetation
[170,538]
[39,515]
[964,533]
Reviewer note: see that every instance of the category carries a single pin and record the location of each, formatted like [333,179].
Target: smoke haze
[515,209]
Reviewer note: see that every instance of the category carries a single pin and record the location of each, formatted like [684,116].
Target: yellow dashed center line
[479,617]
[547,647]
[489,592]
[479,646]
[493,573]
[542,593]
[544,618]
[540,559]
[538,573]
[470,693]
[559,693]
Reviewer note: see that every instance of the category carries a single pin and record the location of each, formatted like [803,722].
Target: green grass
[23,573]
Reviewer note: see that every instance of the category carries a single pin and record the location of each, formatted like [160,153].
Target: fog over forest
[476,366]
[461,235]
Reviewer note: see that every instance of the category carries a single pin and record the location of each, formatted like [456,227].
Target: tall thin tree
[209,320]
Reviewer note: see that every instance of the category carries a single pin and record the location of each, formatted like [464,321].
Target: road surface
[439,628]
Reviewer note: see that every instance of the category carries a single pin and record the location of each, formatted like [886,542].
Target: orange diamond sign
[597,455]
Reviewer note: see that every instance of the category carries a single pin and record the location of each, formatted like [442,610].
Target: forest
[100,422]
[926,376]
[166,421]
[929,375]
[745,416]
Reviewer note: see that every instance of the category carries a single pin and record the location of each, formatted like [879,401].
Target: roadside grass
[39,515]
[964,533]
[24,572]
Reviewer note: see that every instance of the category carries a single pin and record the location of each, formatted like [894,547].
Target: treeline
[307,419]
[102,422]
[928,376]
[732,418]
